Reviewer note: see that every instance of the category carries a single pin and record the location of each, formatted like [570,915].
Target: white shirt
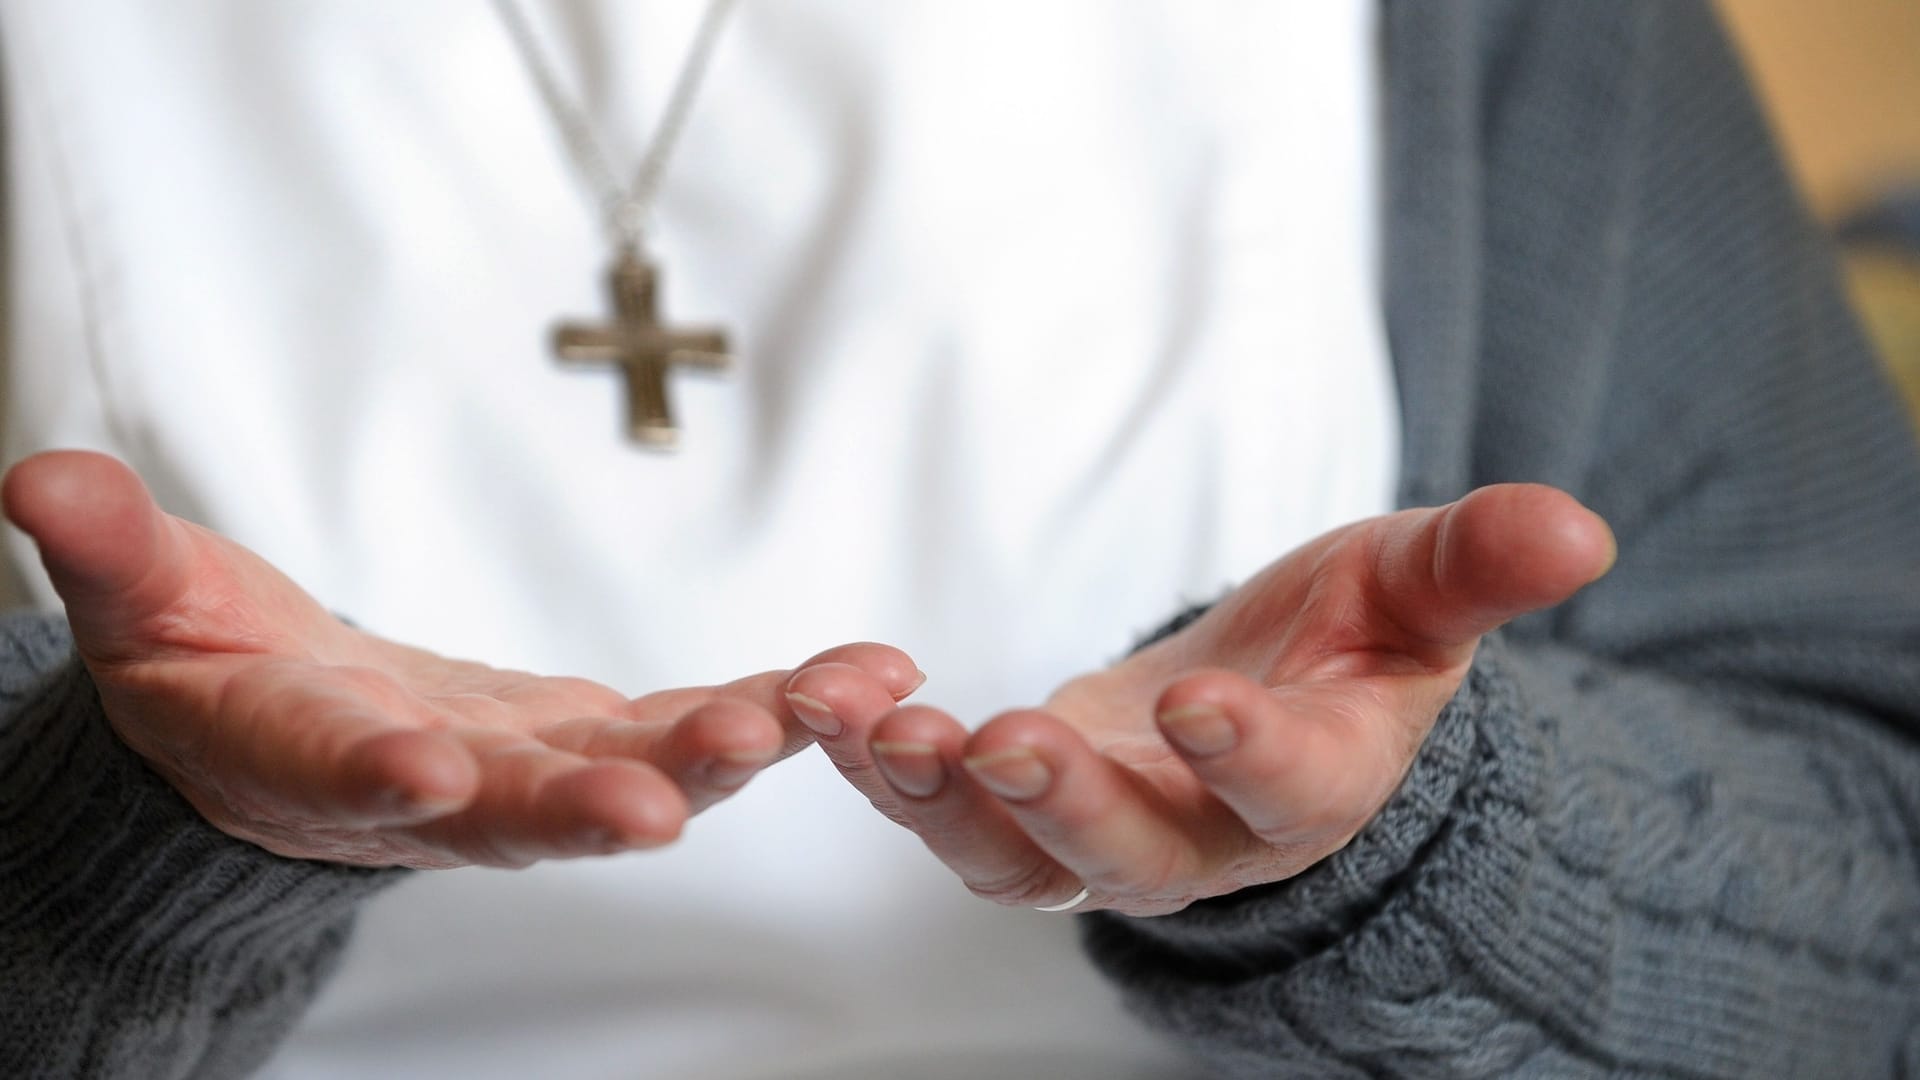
[1052,316]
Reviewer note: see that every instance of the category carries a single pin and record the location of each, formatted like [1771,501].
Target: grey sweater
[1670,828]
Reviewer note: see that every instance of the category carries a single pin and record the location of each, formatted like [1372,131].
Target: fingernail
[816,714]
[919,680]
[1199,730]
[1613,556]
[913,768]
[1016,774]
[732,768]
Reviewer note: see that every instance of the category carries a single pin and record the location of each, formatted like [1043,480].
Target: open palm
[1241,750]
[286,727]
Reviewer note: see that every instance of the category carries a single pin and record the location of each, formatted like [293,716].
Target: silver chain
[624,208]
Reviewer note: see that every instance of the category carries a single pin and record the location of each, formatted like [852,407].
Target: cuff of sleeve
[108,877]
[1431,888]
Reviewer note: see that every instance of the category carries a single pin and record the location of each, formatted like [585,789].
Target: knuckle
[856,766]
[1284,837]
[892,812]
[1028,885]
[1162,872]
[480,846]
[1335,810]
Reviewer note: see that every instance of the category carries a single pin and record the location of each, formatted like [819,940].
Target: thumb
[1447,575]
[114,557]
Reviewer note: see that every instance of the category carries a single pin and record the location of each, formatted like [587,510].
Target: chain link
[623,208]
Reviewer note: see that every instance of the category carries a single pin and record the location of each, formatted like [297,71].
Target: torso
[1050,319]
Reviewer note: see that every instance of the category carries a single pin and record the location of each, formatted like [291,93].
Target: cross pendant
[643,348]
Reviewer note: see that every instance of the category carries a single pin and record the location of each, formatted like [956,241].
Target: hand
[1253,743]
[285,727]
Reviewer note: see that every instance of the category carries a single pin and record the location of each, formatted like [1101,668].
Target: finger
[140,584]
[110,552]
[840,704]
[918,752]
[884,666]
[535,802]
[1447,575]
[710,753]
[1302,767]
[1125,844]
[398,776]
[889,667]
[328,750]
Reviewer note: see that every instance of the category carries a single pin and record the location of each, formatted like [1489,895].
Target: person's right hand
[288,728]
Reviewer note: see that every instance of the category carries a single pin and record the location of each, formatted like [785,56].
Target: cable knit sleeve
[135,939]
[1589,871]
[1673,828]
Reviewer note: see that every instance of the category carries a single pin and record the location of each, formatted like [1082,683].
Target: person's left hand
[1245,748]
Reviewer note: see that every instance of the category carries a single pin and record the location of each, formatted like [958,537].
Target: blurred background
[1842,81]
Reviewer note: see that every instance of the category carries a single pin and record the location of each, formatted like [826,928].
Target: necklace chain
[624,208]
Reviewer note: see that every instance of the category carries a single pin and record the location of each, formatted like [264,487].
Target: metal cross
[643,348]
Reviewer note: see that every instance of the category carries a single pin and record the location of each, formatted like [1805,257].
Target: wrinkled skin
[288,728]
[1241,750]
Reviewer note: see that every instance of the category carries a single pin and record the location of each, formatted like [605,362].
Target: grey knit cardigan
[1671,828]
